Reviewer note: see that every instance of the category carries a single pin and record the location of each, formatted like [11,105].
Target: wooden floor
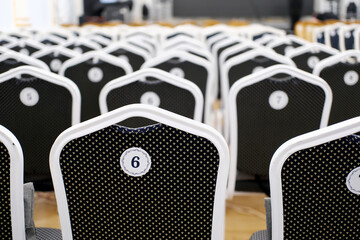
[245,214]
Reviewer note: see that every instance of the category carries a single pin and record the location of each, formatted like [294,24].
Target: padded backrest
[316,199]
[269,108]
[315,185]
[11,60]
[192,68]
[343,79]
[161,179]
[5,216]
[135,60]
[91,76]
[308,60]
[176,95]
[242,65]
[12,223]
[37,111]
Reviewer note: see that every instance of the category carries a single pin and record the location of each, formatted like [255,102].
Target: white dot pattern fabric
[174,200]
[316,201]
[5,211]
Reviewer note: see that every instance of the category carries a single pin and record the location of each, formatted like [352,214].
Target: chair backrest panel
[172,98]
[135,60]
[90,89]
[37,125]
[307,61]
[261,125]
[5,202]
[340,77]
[117,206]
[316,201]
[248,67]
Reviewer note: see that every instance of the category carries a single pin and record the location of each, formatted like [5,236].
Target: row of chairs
[314,181]
[249,56]
[283,86]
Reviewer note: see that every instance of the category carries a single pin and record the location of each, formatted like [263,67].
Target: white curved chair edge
[155,114]
[304,141]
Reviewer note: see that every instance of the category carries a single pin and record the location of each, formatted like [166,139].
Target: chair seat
[260,235]
[48,234]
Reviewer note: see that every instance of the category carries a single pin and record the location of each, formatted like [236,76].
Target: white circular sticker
[24,51]
[351,78]
[278,100]
[288,49]
[135,162]
[124,57]
[178,72]
[78,50]
[95,74]
[150,98]
[353,181]
[313,61]
[257,69]
[29,97]
[55,65]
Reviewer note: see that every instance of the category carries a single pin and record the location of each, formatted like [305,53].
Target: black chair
[341,72]
[315,185]
[37,106]
[90,72]
[192,68]
[132,54]
[268,108]
[54,57]
[154,87]
[11,59]
[168,179]
[307,57]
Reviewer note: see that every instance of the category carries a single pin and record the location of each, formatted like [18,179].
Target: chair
[247,63]
[90,72]
[25,46]
[341,72]
[162,90]
[284,45]
[81,45]
[12,59]
[54,56]
[268,108]
[37,106]
[315,185]
[190,67]
[347,37]
[164,181]
[307,57]
[134,55]
[16,198]
[11,195]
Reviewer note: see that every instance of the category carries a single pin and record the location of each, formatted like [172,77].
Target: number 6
[135,162]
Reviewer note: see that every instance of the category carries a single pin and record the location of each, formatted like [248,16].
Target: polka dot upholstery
[174,200]
[345,103]
[5,211]
[316,201]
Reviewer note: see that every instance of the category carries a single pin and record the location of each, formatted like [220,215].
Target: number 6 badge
[135,162]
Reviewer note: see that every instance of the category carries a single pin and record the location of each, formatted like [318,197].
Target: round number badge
[95,74]
[150,98]
[135,162]
[178,72]
[29,97]
[353,181]
[278,100]
[351,78]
